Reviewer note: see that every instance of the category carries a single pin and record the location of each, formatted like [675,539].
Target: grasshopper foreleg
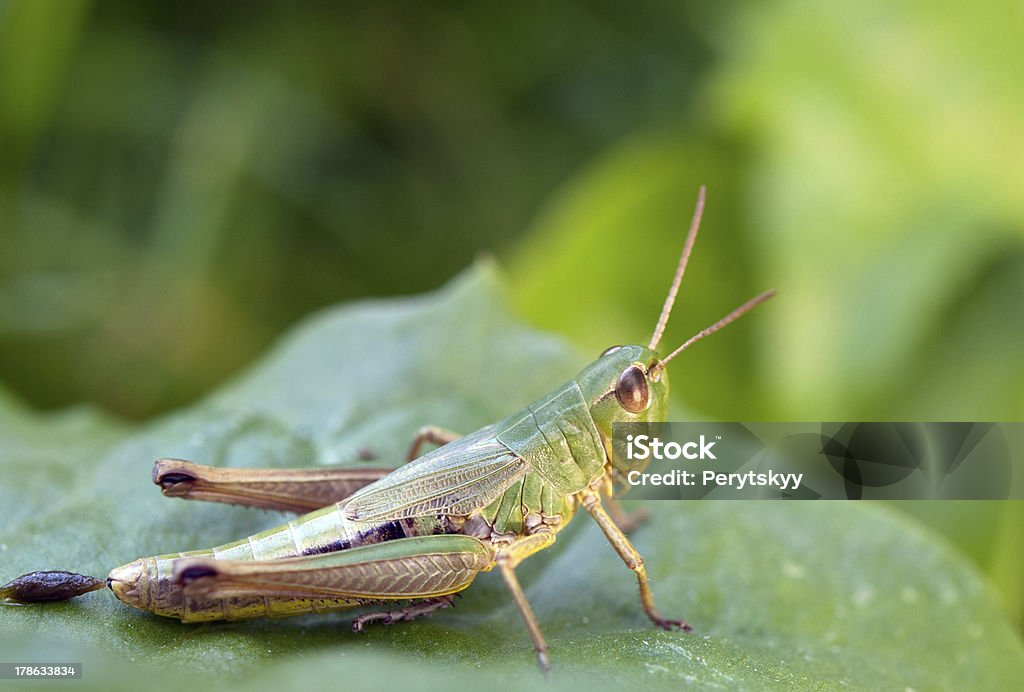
[432,434]
[592,502]
[410,612]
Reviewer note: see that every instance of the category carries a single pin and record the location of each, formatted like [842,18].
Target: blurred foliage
[781,595]
[180,182]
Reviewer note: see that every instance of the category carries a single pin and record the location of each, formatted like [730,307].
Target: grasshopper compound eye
[632,391]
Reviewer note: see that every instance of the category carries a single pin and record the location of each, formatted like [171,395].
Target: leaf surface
[781,595]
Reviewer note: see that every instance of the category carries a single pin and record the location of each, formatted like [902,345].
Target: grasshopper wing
[418,567]
[460,477]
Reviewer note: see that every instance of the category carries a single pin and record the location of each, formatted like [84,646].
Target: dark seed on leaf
[57,585]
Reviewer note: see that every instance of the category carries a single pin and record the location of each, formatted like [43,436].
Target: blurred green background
[181,182]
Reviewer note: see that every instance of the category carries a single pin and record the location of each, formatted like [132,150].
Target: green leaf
[781,595]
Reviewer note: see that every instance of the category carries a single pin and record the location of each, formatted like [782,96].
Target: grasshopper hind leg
[507,560]
[410,612]
[421,568]
[285,490]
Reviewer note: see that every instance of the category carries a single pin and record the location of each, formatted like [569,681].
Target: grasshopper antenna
[691,237]
[728,319]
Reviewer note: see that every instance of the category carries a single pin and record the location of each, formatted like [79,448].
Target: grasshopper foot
[410,612]
[545,663]
[667,624]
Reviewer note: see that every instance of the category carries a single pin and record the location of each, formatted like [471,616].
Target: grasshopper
[419,534]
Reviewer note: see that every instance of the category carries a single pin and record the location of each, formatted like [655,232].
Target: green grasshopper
[422,532]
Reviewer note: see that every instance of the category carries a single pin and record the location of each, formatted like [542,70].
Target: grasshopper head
[625,385]
[629,384]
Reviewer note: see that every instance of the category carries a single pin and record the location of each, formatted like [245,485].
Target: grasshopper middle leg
[432,434]
[410,612]
[507,559]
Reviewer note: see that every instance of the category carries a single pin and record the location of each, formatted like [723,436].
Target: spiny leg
[410,612]
[286,490]
[529,619]
[507,559]
[631,557]
[433,435]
